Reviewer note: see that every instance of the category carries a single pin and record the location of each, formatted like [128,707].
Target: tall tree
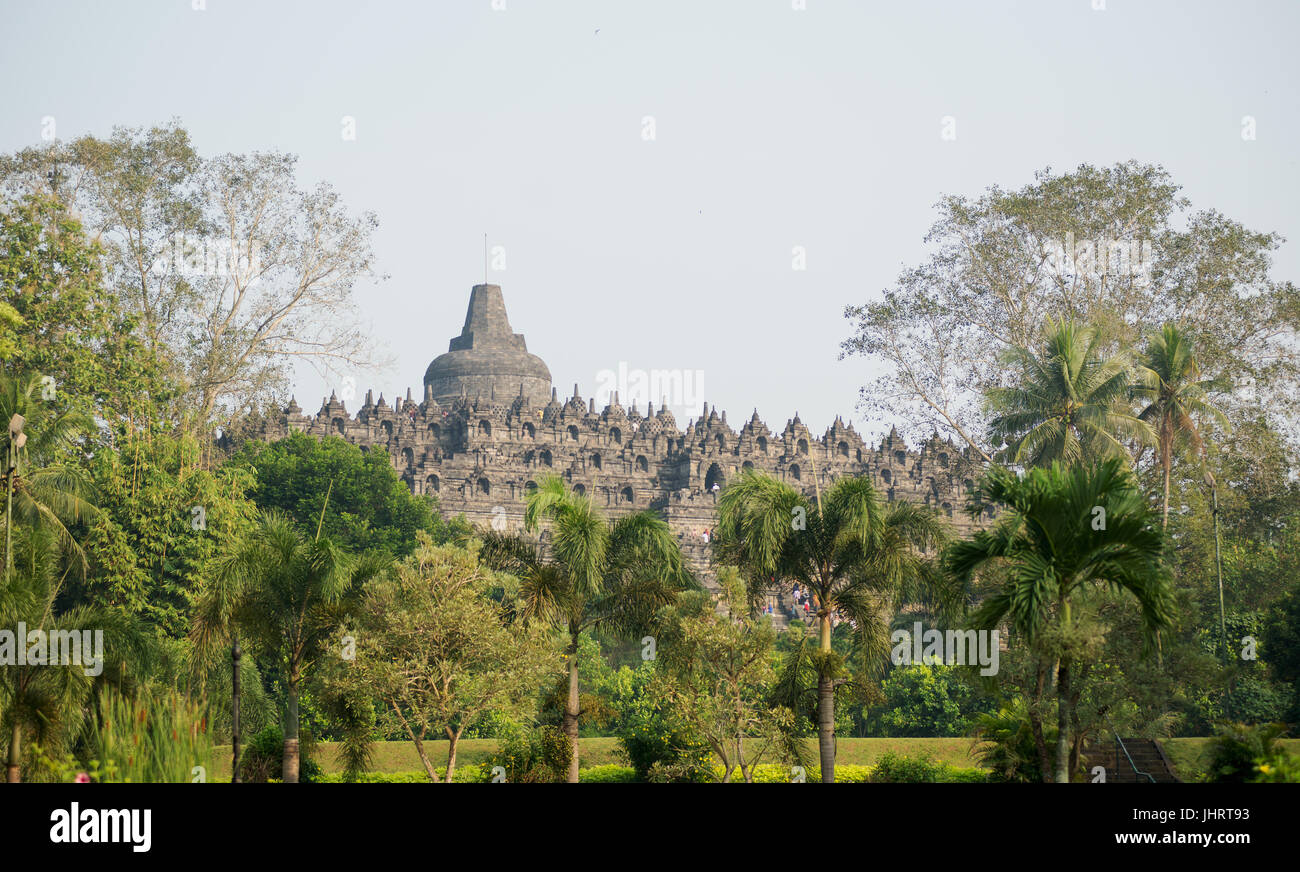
[69,329]
[287,593]
[1067,402]
[1174,396]
[857,557]
[1114,246]
[594,573]
[1067,528]
[234,270]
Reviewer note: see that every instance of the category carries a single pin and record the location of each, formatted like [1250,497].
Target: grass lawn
[1189,756]
[401,756]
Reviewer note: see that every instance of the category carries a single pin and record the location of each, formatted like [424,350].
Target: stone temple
[490,424]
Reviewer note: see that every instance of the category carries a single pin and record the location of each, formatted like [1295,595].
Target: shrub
[530,756]
[894,768]
[262,760]
[1281,768]
[1006,744]
[1237,749]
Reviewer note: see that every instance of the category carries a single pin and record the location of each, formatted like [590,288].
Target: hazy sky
[773,128]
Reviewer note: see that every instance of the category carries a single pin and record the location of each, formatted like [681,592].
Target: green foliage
[653,733]
[151,553]
[715,671]
[286,595]
[1237,749]
[536,755]
[926,700]
[1066,402]
[152,736]
[1279,768]
[59,321]
[894,768]
[608,774]
[596,573]
[1257,701]
[229,335]
[987,282]
[437,650]
[49,486]
[262,759]
[369,506]
[1005,744]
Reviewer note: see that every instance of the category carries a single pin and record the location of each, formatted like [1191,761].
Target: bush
[1238,748]
[531,756]
[1281,768]
[1006,744]
[659,745]
[262,760]
[894,768]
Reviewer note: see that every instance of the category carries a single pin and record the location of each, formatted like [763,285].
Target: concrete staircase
[1146,755]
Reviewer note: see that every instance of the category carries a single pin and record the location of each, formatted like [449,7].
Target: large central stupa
[488,358]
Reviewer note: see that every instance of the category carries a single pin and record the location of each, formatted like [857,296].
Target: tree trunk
[14,769]
[289,771]
[1036,726]
[1063,722]
[571,707]
[453,740]
[424,757]
[1168,463]
[826,708]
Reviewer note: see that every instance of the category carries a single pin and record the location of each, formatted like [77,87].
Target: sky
[647,172]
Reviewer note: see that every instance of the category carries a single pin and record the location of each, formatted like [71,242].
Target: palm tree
[855,556]
[616,575]
[1066,528]
[49,699]
[47,490]
[39,698]
[1067,402]
[287,593]
[1174,395]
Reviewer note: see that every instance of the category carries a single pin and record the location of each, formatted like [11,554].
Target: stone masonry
[490,425]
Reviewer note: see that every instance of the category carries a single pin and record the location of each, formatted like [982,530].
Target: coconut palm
[856,556]
[1066,528]
[1067,402]
[1174,395]
[287,593]
[597,573]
